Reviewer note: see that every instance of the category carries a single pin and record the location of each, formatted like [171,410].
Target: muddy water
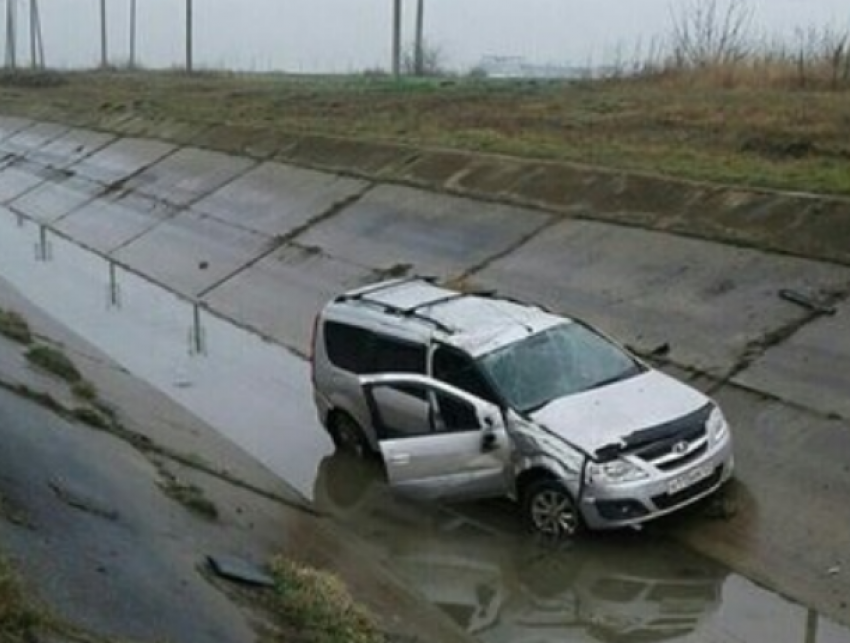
[472,561]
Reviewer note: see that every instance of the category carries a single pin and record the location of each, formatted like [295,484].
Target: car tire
[549,510]
[349,437]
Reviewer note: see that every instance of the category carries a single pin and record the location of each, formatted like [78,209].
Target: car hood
[607,415]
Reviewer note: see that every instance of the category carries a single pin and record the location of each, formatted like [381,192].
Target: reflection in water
[255,393]
[504,586]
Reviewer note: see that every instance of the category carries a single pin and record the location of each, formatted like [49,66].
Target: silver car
[472,395]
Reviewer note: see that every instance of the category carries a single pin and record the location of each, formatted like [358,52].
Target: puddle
[471,561]
[502,586]
[255,393]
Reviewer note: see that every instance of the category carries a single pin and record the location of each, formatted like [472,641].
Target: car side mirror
[489,442]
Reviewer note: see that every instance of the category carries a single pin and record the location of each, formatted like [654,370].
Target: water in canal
[472,561]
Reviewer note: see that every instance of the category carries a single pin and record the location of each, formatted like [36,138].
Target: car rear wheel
[549,509]
[349,437]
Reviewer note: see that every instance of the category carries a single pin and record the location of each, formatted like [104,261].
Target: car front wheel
[549,509]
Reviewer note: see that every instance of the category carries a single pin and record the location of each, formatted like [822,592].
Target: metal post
[11,35]
[104,44]
[197,334]
[36,38]
[114,288]
[133,34]
[189,36]
[419,53]
[396,38]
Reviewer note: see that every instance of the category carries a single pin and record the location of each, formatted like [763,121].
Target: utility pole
[132,34]
[36,39]
[189,37]
[104,44]
[11,35]
[419,47]
[396,38]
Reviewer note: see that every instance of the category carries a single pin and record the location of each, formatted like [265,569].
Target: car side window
[453,367]
[363,352]
[349,347]
[455,415]
[397,356]
[408,410]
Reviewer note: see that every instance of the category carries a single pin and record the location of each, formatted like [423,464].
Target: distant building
[519,67]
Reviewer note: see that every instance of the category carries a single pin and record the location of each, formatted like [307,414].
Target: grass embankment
[692,126]
[18,619]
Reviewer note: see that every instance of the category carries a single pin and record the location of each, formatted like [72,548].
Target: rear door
[438,441]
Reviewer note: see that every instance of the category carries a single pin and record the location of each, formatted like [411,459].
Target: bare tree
[711,32]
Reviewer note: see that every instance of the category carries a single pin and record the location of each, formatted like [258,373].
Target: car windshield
[564,360]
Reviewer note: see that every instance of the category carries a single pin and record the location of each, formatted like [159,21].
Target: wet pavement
[264,245]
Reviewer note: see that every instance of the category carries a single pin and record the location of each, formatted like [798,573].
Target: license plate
[691,477]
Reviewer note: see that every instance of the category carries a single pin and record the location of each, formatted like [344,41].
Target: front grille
[694,455]
[667,500]
[664,447]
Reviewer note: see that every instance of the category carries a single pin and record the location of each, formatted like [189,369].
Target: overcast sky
[350,35]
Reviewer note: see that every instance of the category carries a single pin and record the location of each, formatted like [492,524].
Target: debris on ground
[240,570]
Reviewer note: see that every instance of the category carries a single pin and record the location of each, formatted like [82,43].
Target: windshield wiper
[627,374]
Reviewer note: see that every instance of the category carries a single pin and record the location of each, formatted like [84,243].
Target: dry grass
[15,327]
[695,124]
[316,607]
[18,620]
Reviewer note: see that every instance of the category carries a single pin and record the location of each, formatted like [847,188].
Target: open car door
[438,441]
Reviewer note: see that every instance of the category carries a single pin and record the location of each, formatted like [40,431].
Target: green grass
[319,607]
[18,619]
[55,362]
[751,135]
[15,327]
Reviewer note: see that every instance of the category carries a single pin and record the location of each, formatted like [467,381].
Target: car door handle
[400,459]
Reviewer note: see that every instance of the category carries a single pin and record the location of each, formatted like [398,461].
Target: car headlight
[615,472]
[716,425]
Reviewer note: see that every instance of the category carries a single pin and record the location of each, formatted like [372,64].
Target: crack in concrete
[470,272]
[282,240]
[759,347]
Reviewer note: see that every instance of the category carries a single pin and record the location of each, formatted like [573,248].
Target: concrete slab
[10,125]
[280,295]
[430,233]
[108,224]
[53,200]
[69,148]
[708,301]
[274,199]
[122,159]
[188,175]
[19,178]
[812,368]
[31,138]
[191,252]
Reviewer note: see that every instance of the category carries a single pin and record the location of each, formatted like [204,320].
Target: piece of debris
[237,569]
[807,302]
[661,350]
[833,571]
